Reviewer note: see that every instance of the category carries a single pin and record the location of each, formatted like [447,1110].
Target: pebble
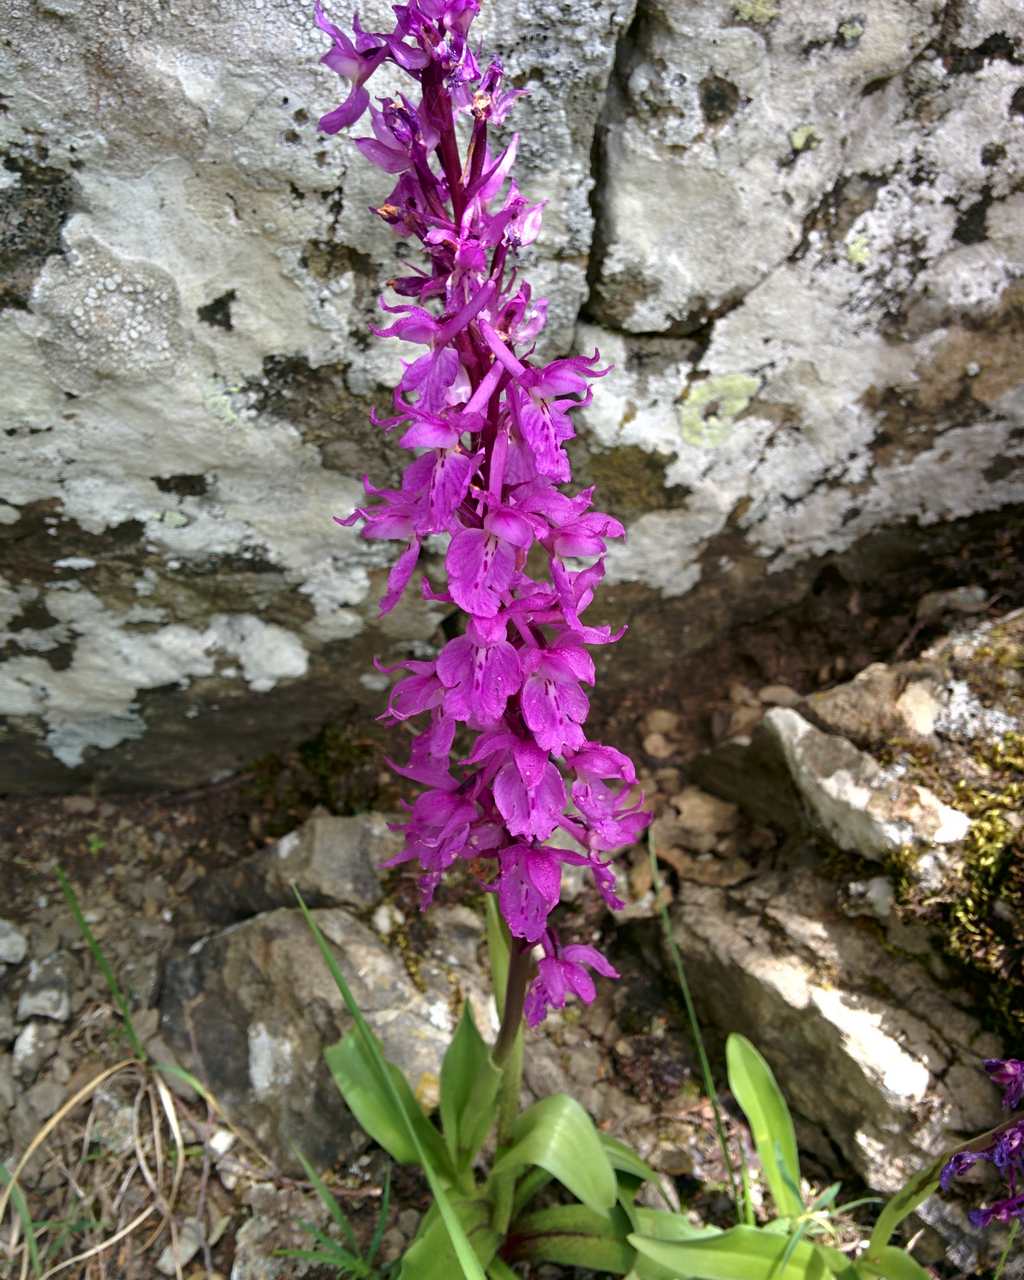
[6,1083]
[34,1046]
[13,944]
[779,695]
[701,812]
[47,992]
[44,1098]
[7,1031]
[662,721]
[658,746]
[179,1253]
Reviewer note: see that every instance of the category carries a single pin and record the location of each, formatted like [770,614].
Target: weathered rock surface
[332,861]
[876,1055]
[251,1009]
[876,995]
[804,265]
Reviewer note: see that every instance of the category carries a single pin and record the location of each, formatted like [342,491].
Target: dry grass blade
[51,1124]
[97,1249]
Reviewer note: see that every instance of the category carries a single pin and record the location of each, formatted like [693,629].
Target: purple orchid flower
[1005,1152]
[488,426]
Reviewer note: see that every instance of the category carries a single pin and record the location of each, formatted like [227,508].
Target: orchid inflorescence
[488,426]
[1005,1152]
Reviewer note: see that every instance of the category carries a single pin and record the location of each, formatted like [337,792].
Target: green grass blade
[20,1206]
[101,963]
[460,1243]
[329,1202]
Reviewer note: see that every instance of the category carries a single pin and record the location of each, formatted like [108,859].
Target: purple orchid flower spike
[487,425]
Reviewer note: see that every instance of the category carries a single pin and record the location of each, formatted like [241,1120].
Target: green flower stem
[1006,1252]
[507,1054]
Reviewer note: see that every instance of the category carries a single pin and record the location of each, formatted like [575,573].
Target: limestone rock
[851,799]
[878,1056]
[261,1006]
[794,234]
[333,862]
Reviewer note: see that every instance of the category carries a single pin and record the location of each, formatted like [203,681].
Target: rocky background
[797,230]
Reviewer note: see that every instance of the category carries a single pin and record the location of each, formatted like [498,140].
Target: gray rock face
[877,1055]
[804,265]
[250,1010]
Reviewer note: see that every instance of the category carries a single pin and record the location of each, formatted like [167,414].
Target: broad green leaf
[558,1135]
[894,1264]
[431,1255]
[573,1236]
[390,1116]
[756,1090]
[385,1076]
[742,1253]
[469,1086]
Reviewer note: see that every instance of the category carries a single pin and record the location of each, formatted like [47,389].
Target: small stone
[34,1046]
[180,1252]
[6,1083]
[958,600]
[700,811]
[44,1098]
[392,1245]
[408,1223]
[919,708]
[779,695]
[78,804]
[13,944]
[871,897]
[221,1141]
[47,992]
[7,1031]
[661,720]
[658,746]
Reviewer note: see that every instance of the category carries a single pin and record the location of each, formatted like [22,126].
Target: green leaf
[742,1253]
[469,1086]
[574,1236]
[893,1264]
[627,1161]
[558,1135]
[756,1090]
[390,1116]
[431,1255]
[385,1074]
[21,1208]
[656,1224]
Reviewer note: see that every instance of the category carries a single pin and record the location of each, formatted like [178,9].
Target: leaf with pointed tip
[469,1087]
[558,1135]
[756,1090]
